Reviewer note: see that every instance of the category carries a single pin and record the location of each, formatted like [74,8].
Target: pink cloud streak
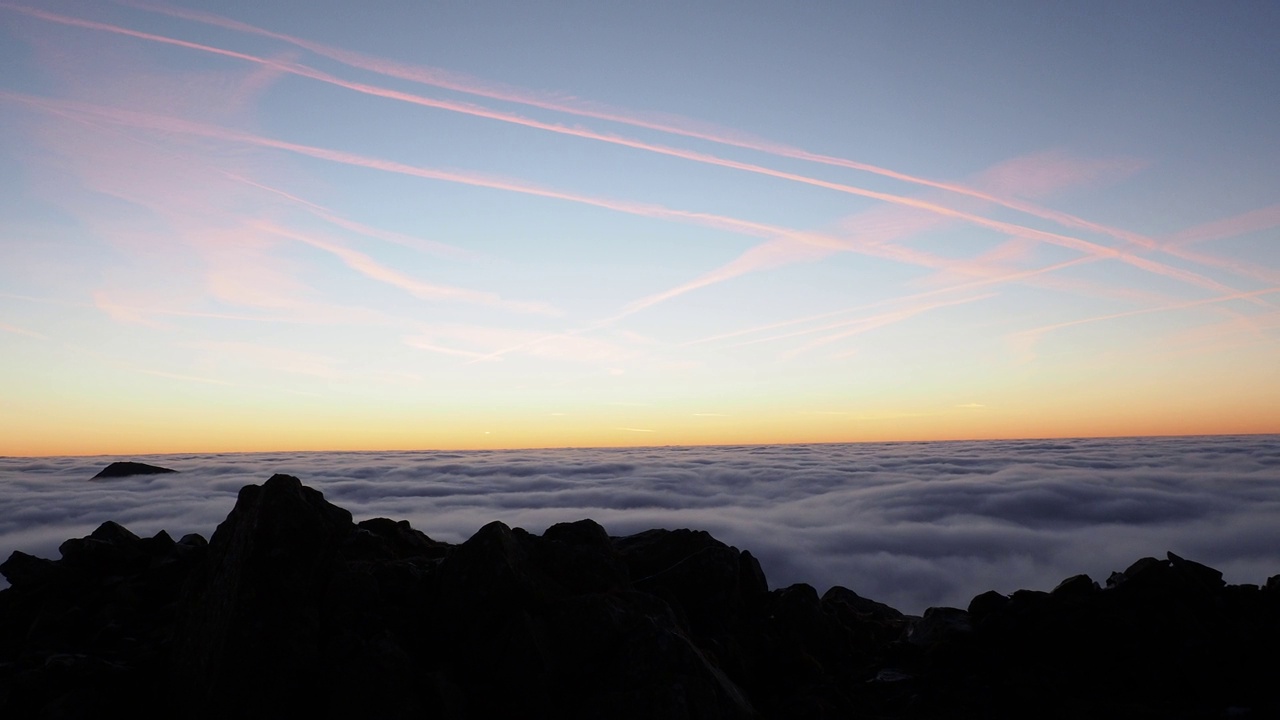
[374,270]
[1252,221]
[161,123]
[324,213]
[5,327]
[1027,338]
[436,77]
[1066,241]
[850,328]
[994,280]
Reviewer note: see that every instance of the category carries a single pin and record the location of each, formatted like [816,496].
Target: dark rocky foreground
[291,610]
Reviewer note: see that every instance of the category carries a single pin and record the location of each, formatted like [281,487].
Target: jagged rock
[1146,573]
[872,625]
[127,468]
[1201,575]
[860,605]
[24,569]
[712,583]
[250,613]
[581,557]
[399,540]
[939,624]
[987,603]
[1076,586]
[110,548]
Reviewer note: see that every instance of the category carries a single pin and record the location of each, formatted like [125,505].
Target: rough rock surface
[127,468]
[294,610]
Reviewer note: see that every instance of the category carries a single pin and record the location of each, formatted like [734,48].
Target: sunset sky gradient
[322,225]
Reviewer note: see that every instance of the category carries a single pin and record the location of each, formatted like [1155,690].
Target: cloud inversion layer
[910,524]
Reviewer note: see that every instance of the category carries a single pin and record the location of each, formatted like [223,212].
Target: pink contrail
[871,323]
[374,270]
[22,331]
[1010,277]
[324,213]
[429,246]
[1066,241]
[1036,332]
[152,310]
[190,378]
[175,125]
[436,77]
[1256,272]
[275,191]
[424,345]
[1252,221]
[882,225]
[478,111]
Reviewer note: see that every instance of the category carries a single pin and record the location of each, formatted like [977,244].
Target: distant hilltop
[292,609]
[126,468]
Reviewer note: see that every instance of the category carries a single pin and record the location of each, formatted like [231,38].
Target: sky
[318,225]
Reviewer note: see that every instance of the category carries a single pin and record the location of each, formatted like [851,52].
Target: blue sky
[308,225]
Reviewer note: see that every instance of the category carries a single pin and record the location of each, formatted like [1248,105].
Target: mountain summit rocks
[293,609]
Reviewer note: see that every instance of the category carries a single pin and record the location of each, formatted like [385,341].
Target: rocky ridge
[292,609]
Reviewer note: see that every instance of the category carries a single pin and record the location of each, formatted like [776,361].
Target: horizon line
[1029,438]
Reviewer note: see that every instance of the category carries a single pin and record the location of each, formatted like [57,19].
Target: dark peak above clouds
[294,609]
[127,468]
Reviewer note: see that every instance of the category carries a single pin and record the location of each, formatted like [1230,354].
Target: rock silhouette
[125,468]
[293,610]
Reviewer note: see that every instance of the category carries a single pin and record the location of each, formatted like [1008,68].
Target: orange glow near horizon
[293,430]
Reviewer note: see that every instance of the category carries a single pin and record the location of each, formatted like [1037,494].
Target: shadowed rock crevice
[292,609]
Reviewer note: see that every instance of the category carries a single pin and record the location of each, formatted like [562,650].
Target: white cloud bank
[910,524]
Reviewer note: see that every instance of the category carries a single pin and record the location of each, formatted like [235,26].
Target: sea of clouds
[910,524]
